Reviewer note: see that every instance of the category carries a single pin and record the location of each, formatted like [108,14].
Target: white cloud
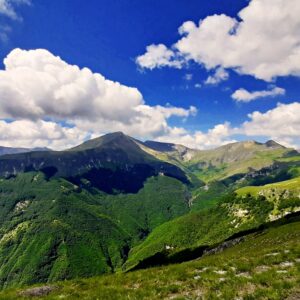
[36,86]
[26,133]
[39,92]
[158,56]
[198,85]
[264,42]
[218,135]
[242,95]
[219,76]
[282,122]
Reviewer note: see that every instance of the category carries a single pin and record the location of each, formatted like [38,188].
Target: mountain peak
[273,144]
[115,134]
[116,137]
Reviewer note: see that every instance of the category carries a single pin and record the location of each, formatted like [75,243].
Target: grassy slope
[74,233]
[206,227]
[291,185]
[264,266]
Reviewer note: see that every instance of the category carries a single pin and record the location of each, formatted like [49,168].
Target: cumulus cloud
[52,103]
[263,42]
[280,123]
[242,95]
[158,56]
[219,135]
[26,133]
[271,124]
[38,86]
[219,76]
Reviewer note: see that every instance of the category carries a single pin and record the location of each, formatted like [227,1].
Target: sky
[198,73]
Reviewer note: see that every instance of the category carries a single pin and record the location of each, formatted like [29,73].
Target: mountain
[114,203]
[77,213]
[229,167]
[236,158]
[222,162]
[100,161]
[10,150]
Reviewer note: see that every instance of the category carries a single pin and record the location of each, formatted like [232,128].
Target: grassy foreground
[263,266]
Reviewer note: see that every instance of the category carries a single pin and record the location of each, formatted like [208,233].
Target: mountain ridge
[100,161]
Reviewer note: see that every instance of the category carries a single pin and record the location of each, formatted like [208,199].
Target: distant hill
[236,158]
[11,150]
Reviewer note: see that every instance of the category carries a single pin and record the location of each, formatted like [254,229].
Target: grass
[284,195]
[291,185]
[264,266]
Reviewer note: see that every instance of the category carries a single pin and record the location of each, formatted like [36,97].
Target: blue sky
[173,99]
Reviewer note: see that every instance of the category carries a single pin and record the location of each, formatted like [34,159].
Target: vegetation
[292,185]
[52,229]
[115,204]
[197,230]
[263,266]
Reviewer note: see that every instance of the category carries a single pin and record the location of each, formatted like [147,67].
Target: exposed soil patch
[38,291]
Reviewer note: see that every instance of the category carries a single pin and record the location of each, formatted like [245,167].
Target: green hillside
[233,214]
[264,265]
[53,229]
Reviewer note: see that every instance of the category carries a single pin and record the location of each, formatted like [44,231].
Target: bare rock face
[38,291]
[224,245]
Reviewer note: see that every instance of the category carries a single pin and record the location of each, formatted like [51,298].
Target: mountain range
[115,204]
[11,150]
